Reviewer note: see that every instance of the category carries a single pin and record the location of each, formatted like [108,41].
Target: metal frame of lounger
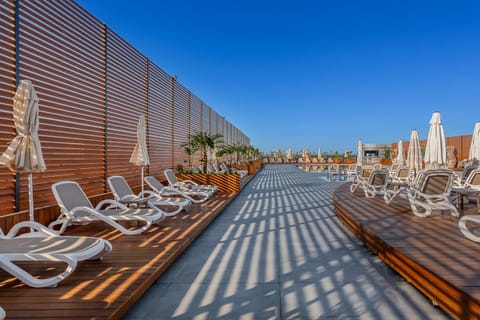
[81,211]
[186,185]
[45,245]
[361,177]
[431,191]
[124,194]
[472,182]
[375,185]
[162,190]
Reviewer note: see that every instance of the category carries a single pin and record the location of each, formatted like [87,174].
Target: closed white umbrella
[400,159]
[359,153]
[474,153]
[139,155]
[414,155]
[24,154]
[436,148]
[319,155]
[289,154]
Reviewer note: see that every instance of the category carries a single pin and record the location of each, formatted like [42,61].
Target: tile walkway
[278,251]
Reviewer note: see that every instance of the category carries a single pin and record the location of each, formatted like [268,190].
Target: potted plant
[336,157]
[386,158]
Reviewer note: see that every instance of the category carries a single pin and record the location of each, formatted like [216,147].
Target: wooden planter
[225,182]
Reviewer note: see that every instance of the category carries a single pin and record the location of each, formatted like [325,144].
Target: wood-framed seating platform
[431,253]
[107,289]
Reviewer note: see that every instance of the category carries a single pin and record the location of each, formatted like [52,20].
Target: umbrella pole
[30,197]
[142,182]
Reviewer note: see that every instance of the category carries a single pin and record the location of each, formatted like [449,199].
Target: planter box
[225,182]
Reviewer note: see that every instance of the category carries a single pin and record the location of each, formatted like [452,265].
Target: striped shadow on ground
[278,251]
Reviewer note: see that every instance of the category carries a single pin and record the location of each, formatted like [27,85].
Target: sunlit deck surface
[107,289]
[431,253]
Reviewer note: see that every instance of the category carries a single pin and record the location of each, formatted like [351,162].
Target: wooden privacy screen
[63,56]
[7,87]
[92,86]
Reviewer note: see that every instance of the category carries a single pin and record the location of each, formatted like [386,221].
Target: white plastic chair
[44,245]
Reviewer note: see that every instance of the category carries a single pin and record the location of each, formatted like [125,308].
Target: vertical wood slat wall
[92,86]
[7,88]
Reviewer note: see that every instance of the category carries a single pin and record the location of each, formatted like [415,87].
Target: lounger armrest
[130,197]
[111,204]
[37,230]
[189,182]
[147,194]
[169,191]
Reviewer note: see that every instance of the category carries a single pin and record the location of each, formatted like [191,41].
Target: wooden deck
[431,253]
[107,289]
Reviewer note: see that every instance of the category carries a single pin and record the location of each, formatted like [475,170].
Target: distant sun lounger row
[47,244]
[426,190]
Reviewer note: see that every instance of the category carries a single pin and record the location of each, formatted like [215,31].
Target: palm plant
[190,149]
[226,149]
[204,141]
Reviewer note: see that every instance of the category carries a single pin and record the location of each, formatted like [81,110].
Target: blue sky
[310,74]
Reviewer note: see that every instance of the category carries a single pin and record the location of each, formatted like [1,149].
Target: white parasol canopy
[436,148]
[319,155]
[414,155]
[474,153]
[24,154]
[400,159]
[139,155]
[359,153]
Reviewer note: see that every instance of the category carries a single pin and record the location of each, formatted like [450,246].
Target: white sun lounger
[161,190]
[374,185]
[45,245]
[430,191]
[124,194]
[77,209]
[188,185]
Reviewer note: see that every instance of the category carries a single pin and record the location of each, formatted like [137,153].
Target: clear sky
[310,74]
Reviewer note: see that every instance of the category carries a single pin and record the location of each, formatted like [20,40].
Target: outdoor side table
[462,193]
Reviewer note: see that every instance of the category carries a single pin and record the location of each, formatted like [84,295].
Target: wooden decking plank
[106,289]
[431,253]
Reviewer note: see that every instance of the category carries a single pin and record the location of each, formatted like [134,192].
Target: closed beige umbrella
[474,153]
[289,154]
[436,148]
[414,155]
[400,159]
[359,153]
[24,154]
[140,152]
